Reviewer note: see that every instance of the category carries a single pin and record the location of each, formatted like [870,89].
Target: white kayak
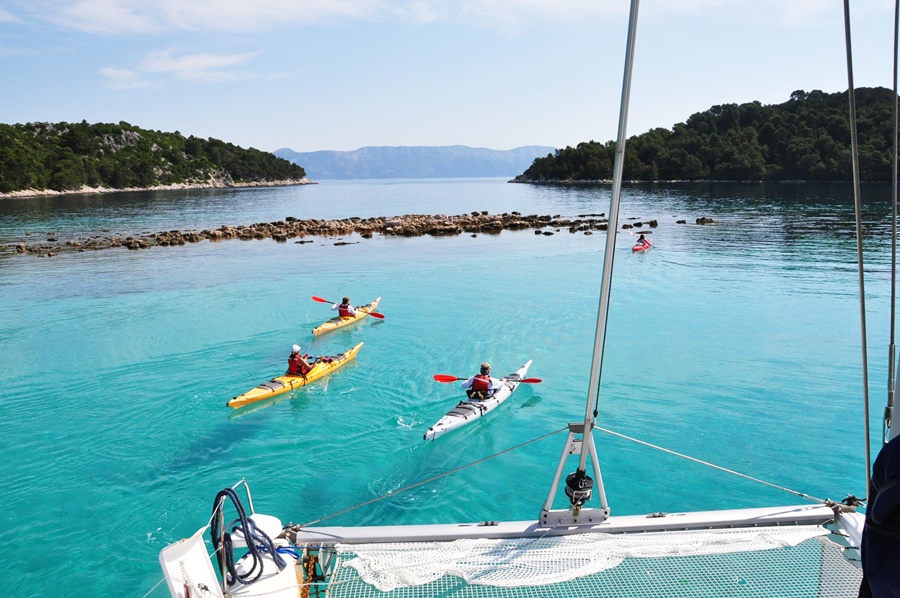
[470,409]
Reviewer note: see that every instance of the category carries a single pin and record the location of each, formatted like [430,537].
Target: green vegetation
[64,157]
[807,138]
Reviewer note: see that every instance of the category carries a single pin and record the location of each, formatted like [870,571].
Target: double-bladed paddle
[374,314]
[449,378]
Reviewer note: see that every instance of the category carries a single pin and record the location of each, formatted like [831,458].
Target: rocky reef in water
[410,225]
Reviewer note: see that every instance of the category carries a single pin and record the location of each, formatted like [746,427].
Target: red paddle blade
[320,300]
[531,380]
[446,378]
[375,314]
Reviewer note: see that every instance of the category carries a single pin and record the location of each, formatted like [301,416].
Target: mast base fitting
[579,488]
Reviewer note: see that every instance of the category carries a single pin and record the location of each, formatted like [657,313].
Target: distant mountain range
[415,162]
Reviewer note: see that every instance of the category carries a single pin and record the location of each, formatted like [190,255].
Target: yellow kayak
[282,384]
[338,322]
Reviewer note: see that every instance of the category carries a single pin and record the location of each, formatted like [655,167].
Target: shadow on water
[820,210]
[205,449]
[532,401]
[221,428]
[239,428]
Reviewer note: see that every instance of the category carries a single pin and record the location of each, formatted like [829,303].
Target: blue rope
[257,540]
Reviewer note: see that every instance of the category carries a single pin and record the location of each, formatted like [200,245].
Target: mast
[579,485]
[612,230]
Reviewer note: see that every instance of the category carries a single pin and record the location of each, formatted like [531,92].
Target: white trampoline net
[760,562]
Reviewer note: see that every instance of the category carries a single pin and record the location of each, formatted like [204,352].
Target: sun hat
[295,348]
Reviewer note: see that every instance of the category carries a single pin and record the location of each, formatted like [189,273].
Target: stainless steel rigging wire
[610,253]
[854,145]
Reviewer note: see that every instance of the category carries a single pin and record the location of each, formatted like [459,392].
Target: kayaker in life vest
[481,386]
[642,239]
[344,309]
[297,364]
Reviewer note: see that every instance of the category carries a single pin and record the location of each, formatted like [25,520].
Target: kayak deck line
[464,409]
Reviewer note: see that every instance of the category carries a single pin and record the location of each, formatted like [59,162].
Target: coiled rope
[257,541]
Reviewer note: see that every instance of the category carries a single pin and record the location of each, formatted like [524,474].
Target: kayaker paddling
[297,364]
[481,386]
[471,409]
[354,314]
[344,309]
[641,244]
[321,366]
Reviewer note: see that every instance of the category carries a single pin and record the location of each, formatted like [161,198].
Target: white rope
[154,587]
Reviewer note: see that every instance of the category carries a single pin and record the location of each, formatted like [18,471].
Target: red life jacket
[482,383]
[296,368]
[294,365]
[344,310]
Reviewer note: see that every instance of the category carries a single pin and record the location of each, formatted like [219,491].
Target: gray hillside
[415,162]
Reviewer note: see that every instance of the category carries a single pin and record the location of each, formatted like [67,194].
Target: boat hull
[469,410]
[282,384]
[339,322]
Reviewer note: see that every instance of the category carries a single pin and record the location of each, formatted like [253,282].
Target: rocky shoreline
[212,183]
[410,225]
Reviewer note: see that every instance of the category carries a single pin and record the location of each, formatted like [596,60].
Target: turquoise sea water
[736,343]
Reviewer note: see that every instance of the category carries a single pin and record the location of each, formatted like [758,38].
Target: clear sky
[342,74]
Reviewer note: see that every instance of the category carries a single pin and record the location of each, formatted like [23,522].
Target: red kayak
[645,244]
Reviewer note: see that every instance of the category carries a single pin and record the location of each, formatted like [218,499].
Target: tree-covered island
[70,157]
[806,138]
